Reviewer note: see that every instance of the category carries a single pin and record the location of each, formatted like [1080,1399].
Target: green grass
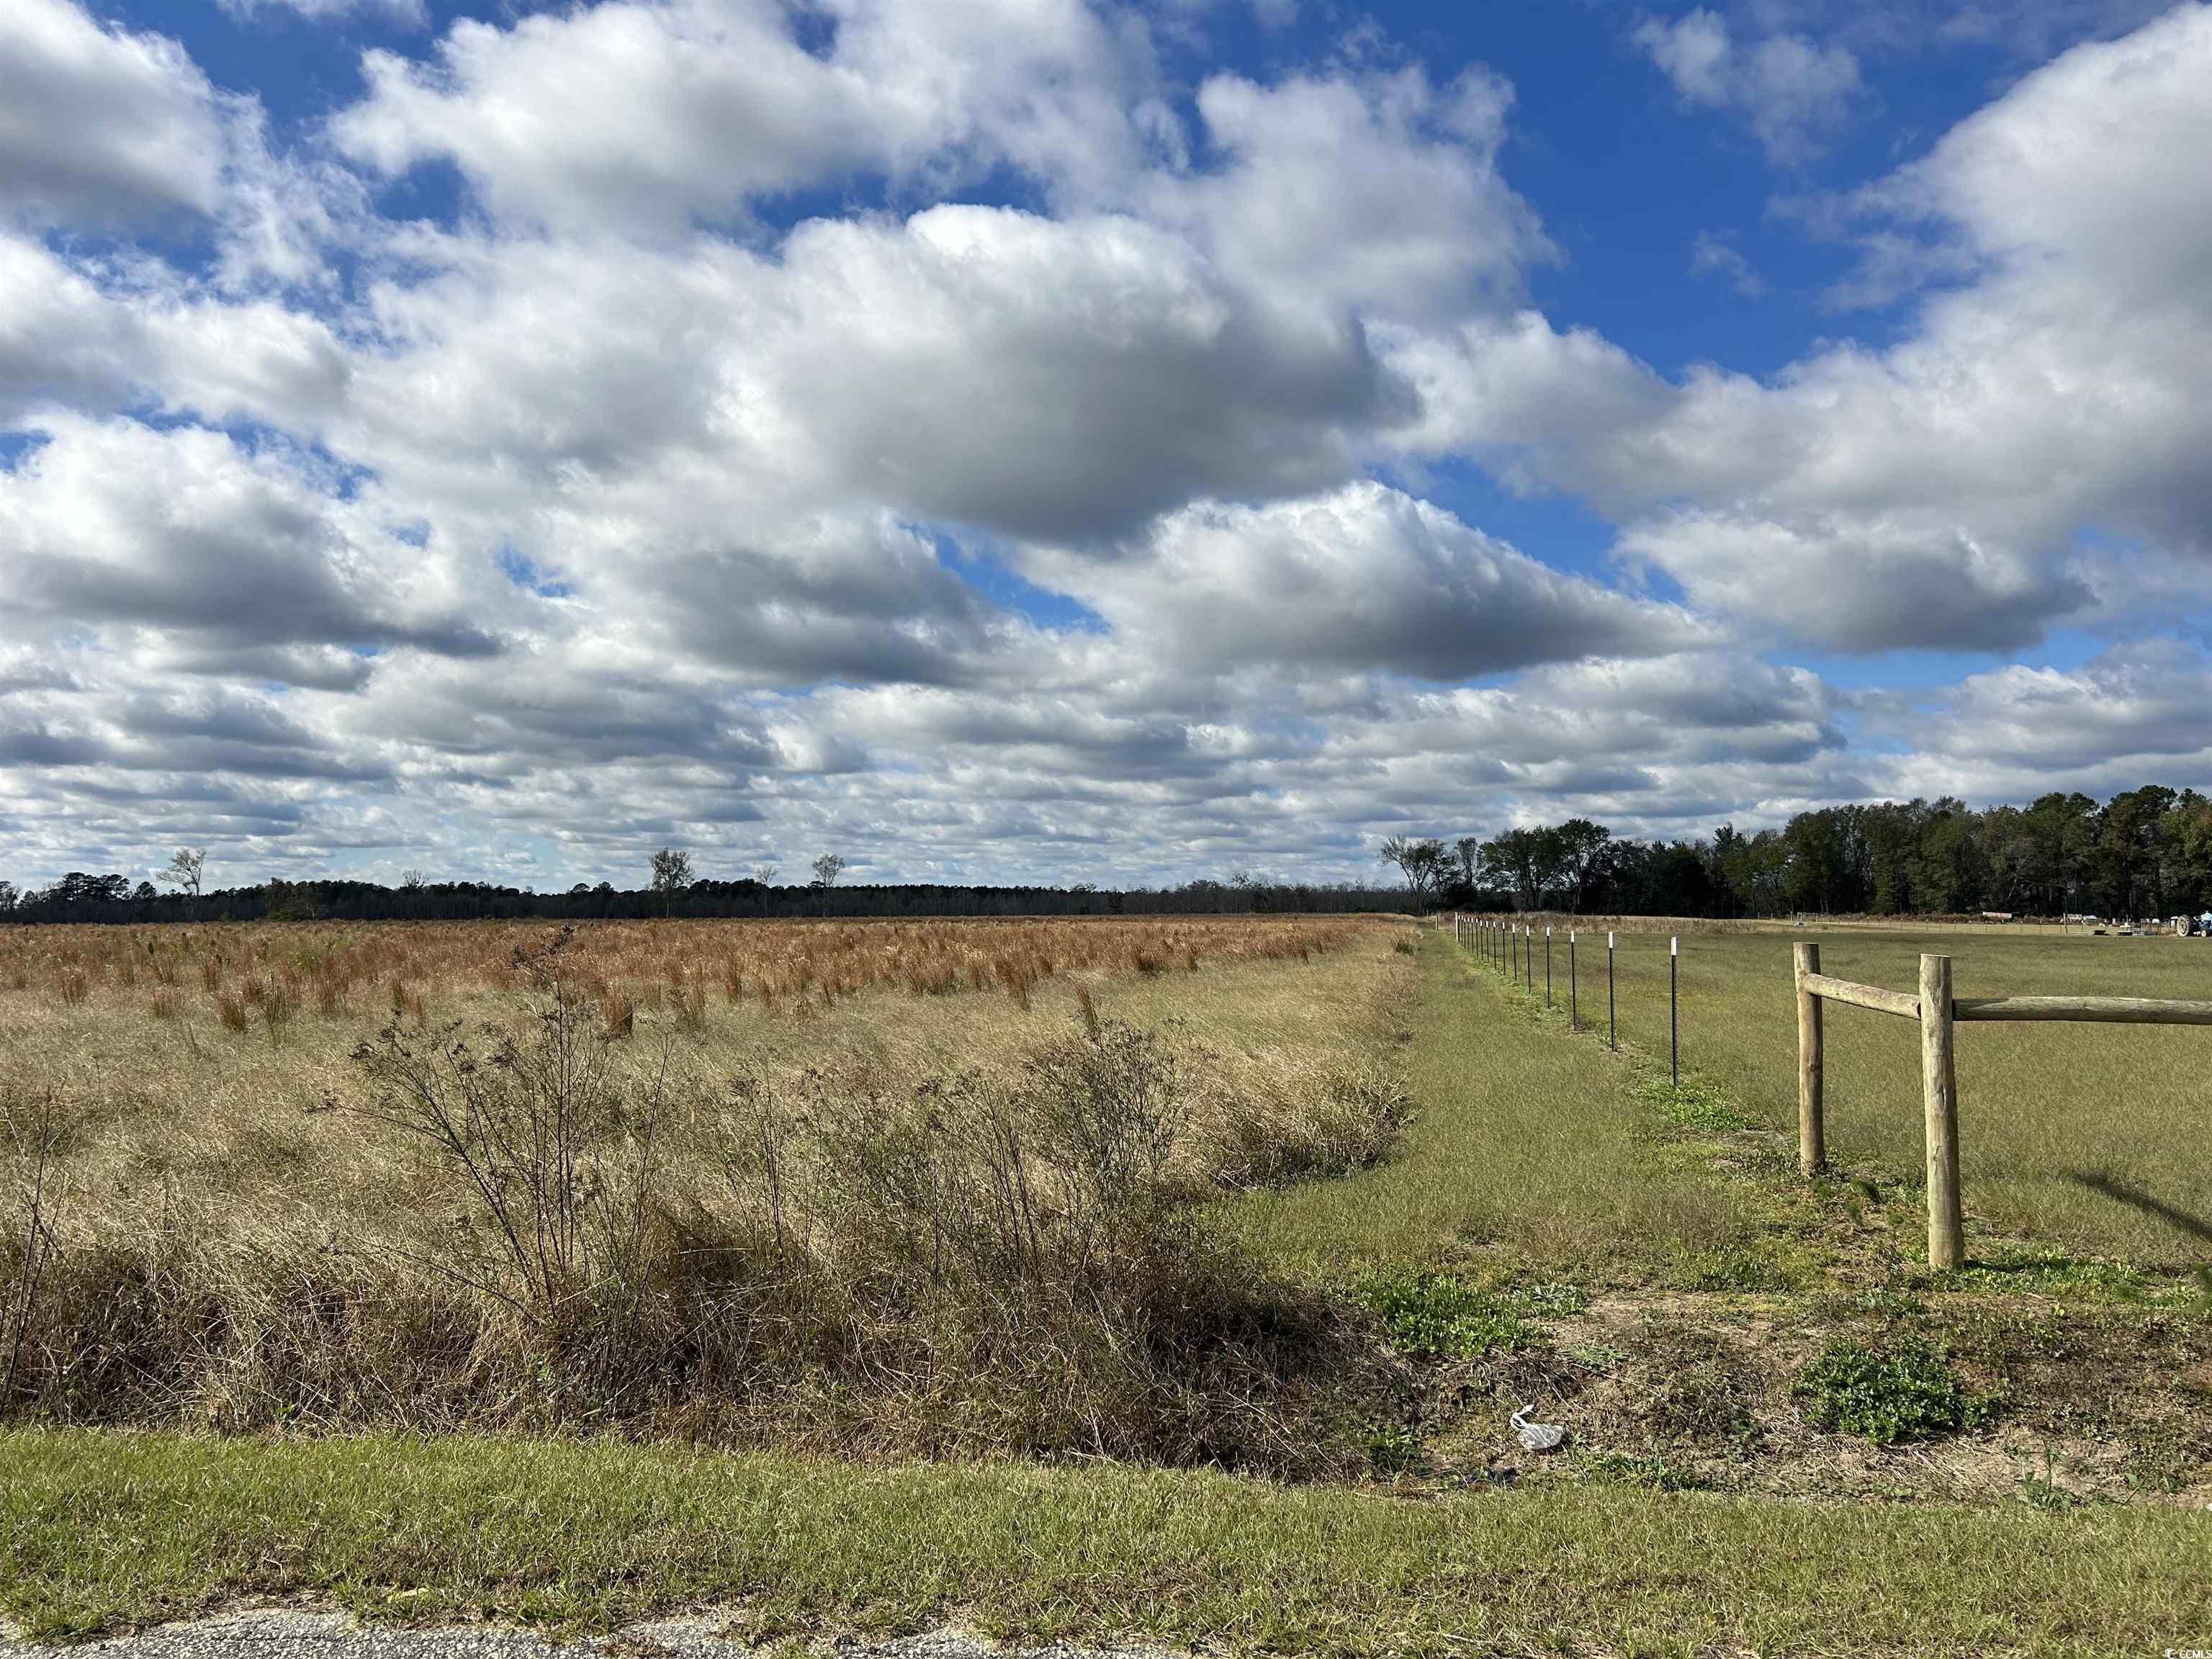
[1523,1138]
[98,1530]
[2075,1133]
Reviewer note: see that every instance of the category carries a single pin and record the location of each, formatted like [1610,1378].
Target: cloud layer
[950,433]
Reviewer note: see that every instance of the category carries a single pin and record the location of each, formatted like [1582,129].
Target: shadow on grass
[2135,1198]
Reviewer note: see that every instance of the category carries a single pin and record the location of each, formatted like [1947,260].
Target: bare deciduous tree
[828,868]
[186,865]
[1423,863]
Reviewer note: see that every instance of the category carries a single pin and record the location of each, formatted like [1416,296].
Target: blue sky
[1052,439]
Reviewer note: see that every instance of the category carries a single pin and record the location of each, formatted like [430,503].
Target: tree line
[2144,853]
[672,889]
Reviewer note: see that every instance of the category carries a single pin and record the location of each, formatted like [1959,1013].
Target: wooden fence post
[1812,1125]
[1947,1244]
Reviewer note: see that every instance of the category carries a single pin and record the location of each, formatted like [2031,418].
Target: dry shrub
[35,1133]
[230,1011]
[74,987]
[559,1162]
[969,1263]
[164,1003]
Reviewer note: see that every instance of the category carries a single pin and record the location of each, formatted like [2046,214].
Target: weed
[1729,1267]
[1888,1395]
[1700,1106]
[2043,1490]
[1404,947]
[1392,1448]
[1438,1315]
[2015,1268]
[1551,1300]
[1651,1471]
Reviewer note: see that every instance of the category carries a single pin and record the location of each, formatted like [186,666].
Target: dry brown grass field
[917,1187]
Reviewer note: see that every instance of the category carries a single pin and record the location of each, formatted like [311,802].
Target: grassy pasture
[2058,1123]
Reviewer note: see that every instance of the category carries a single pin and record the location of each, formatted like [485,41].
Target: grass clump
[1440,1316]
[1888,1395]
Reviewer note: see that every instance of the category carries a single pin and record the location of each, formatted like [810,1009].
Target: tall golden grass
[778,965]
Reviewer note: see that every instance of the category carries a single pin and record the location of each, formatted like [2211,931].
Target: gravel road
[291,1634]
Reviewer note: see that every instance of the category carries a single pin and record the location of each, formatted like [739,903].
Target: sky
[1008,441]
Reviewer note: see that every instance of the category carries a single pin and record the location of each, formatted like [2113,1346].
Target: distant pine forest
[2144,853]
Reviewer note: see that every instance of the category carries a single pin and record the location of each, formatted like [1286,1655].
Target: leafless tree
[765,874]
[1423,863]
[828,868]
[186,864]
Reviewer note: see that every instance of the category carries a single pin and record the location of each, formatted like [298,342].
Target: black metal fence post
[1547,964]
[1610,1030]
[1674,1026]
[1574,1002]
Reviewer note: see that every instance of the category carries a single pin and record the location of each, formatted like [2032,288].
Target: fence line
[1937,1012]
[1507,948]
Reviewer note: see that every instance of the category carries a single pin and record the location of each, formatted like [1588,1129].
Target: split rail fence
[1510,949]
[1937,1012]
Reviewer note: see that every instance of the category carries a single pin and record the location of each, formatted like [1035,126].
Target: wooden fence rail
[1937,1011]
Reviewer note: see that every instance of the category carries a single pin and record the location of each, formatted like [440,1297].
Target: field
[1201,1263]
[912,1188]
[2079,1134]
